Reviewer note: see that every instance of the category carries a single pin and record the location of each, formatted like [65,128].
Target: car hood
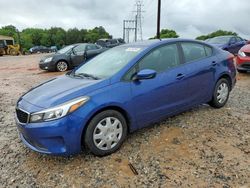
[47,56]
[56,55]
[61,89]
[246,48]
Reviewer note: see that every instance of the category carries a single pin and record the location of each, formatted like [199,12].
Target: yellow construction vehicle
[8,46]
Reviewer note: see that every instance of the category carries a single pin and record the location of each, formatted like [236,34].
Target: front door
[78,55]
[157,97]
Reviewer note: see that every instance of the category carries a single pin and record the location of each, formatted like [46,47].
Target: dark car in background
[110,43]
[54,48]
[40,49]
[70,57]
[228,43]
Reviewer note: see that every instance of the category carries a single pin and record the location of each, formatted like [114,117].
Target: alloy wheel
[62,66]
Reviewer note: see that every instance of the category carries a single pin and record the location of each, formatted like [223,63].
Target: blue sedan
[229,43]
[121,90]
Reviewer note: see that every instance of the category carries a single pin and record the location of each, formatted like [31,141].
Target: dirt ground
[203,147]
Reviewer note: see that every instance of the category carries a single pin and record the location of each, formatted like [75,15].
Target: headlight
[48,60]
[58,111]
[242,54]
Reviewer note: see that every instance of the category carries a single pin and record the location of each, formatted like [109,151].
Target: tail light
[232,61]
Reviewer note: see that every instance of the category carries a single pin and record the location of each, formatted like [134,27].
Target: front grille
[246,66]
[22,116]
[247,54]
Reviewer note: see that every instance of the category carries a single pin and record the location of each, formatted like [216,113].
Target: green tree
[97,33]
[167,33]
[55,36]
[73,36]
[216,34]
[9,30]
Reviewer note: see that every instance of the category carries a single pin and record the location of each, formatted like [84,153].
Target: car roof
[156,42]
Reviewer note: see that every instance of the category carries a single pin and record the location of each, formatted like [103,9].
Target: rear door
[78,55]
[164,94]
[200,64]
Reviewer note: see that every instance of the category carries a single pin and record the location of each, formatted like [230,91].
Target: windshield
[219,40]
[65,49]
[108,63]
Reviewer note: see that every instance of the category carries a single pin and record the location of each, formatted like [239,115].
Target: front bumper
[243,63]
[50,66]
[57,137]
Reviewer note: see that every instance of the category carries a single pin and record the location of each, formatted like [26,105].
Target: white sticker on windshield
[133,49]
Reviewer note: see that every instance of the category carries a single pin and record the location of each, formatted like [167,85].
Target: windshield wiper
[85,75]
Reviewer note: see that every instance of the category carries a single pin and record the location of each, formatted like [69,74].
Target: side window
[9,42]
[128,76]
[91,47]
[80,48]
[233,40]
[161,59]
[239,39]
[98,47]
[1,43]
[195,51]
[208,50]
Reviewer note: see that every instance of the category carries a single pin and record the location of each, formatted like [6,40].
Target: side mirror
[145,74]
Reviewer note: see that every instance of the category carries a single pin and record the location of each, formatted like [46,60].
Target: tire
[109,138]
[62,66]
[13,52]
[221,93]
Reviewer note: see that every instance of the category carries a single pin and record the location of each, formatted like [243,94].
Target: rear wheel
[221,93]
[105,133]
[62,66]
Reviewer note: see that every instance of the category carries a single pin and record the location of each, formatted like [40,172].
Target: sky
[189,18]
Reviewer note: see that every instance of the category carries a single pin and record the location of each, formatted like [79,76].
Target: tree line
[54,36]
[167,33]
[57,36]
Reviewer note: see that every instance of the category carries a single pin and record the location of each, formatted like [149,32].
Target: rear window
[195,51]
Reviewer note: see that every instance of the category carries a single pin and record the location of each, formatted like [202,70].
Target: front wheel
[221,93]
[105,133]
[62,66]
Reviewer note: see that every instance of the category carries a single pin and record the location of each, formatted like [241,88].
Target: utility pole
[135,25]
[124,30]
[128,27]
[138,18]
[158,19]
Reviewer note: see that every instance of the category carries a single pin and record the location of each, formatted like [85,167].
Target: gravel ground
[203,147]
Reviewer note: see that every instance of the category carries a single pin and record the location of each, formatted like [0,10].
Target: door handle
[214,63]
[180,76]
